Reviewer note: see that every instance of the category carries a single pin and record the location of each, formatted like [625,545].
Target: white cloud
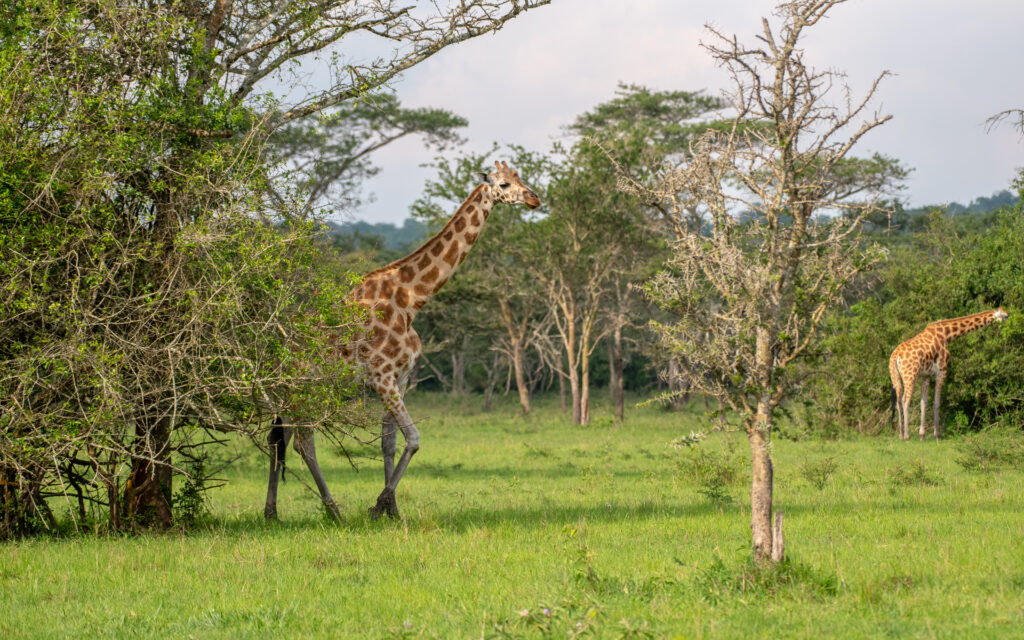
[956,63]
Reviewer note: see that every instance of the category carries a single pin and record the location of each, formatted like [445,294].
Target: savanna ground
[528,527]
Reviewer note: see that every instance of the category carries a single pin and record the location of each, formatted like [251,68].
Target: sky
[954,64]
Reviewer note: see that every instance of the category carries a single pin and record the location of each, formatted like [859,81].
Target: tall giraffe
[387,346]
[926,355]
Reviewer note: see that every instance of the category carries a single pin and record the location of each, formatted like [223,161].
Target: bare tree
[779,204]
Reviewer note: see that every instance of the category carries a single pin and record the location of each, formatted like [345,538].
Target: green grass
[608,528]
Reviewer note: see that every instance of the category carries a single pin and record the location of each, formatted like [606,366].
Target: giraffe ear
[486,179]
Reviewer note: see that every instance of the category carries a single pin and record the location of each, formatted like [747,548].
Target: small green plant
[988,451]
[190,502]
[714,473]
[818,472]
[722,582]
[917,474]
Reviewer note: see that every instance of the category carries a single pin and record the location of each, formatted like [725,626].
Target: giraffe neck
[423,272]
[956,327]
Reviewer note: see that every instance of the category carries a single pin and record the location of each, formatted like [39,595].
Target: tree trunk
[148,491]
[759,435]
[585,383]
[492,380]
[458,373]
[574,391]
[518,365]
[615,382]
[561,392]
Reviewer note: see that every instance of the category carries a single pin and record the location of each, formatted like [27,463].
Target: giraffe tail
[892,404]
[278,443]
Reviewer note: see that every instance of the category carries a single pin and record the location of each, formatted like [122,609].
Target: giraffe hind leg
[386,502]
[278,440]
[924,406]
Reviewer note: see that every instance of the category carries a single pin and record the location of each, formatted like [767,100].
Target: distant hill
[981,204]
[381,235]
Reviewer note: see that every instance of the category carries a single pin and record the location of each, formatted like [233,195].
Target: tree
[327,159]
[644,131]
[778,204]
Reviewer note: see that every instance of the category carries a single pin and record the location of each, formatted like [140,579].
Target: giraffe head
[508,188]
[999,315]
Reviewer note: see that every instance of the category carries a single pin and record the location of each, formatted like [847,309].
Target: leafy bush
[818,472]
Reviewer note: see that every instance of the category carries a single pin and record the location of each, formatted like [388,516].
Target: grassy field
[528,527]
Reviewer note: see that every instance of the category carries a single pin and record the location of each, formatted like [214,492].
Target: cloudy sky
[955,63]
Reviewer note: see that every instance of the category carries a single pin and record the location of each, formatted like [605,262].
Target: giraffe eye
[505,185]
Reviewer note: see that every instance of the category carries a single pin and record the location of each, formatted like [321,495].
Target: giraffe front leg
[924,406]
[938,397]
[388,444]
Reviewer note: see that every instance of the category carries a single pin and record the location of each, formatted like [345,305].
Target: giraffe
[387,346]
[927,354]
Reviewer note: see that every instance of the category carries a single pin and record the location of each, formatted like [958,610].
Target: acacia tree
[643,130]
[778,206]
[325,160]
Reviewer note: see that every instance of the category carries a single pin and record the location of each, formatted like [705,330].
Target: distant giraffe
[387,346]
[924,355]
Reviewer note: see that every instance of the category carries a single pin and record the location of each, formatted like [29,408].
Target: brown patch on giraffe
[402,298]
[378,337]
[385,313]
[430,276]
[387,288]
[386,368]
[406,273]
[462,256]
[448,235]
[440,283]
[487,212]
[436,249]
[471,237]
[475,220]
[392,348]
[418,303]
[424,262]
[452,255]
[470,208]
[479,197]
[399,326]
[460,224]
[369,289]
[421,289]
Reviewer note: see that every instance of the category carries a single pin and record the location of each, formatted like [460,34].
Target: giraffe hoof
[386,505]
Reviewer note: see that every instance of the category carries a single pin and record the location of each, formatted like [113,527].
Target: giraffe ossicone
[925,356]
[387,346]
